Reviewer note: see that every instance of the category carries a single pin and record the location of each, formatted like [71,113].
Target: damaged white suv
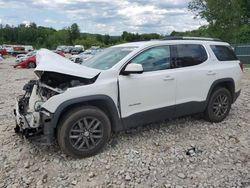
[125,86]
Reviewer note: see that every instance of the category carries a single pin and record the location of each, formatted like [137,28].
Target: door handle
[168,78]
[211,73]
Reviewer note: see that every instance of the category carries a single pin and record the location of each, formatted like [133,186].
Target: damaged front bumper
[33,120]
[35,126]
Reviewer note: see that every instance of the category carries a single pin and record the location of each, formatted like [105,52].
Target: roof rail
[191,38]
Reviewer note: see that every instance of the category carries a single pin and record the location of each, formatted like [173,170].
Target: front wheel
[83,132]
[219,105]
[31,65]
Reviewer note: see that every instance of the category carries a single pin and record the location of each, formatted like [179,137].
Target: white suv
[126,86]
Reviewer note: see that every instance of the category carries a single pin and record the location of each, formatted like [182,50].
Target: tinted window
[189,55]
[224,53]
[154,59]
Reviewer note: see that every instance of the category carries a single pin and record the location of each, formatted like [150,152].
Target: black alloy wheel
[219,105]
[83,131]
[86,133]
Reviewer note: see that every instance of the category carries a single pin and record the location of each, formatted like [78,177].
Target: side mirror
[133,68]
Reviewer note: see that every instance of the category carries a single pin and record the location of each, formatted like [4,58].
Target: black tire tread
[208,115]
[62,127]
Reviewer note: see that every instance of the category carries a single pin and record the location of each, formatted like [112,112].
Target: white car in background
[28,48]
[8,48]
[22,57]
[19,57]
[84,56]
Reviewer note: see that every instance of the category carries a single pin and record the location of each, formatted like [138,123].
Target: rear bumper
[236,95]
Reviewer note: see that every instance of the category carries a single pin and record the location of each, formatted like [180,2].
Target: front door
[149,96]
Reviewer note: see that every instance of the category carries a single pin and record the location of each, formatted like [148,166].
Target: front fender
[107,103]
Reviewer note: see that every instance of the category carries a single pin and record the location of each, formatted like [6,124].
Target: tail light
[241,66]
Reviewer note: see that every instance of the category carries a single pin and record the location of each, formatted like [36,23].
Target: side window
[189,55]
[157,58]
[224,53]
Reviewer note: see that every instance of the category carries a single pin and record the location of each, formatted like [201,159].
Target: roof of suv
[157,42]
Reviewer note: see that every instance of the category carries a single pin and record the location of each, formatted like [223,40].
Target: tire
[31,65]
[83,132]
[219,105]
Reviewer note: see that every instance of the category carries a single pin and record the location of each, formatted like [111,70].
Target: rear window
[224,53]
[190,55]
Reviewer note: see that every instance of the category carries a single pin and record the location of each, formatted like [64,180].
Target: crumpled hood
[47,60]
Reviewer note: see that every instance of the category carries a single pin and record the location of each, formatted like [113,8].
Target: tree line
[45,37]
[228,20]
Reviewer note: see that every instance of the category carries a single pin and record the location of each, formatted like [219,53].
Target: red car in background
[59,52]
[30,62]
[3,51]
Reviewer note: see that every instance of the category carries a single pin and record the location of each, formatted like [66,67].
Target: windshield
[108,58]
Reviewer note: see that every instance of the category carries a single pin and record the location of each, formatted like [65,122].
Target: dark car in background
[77,50]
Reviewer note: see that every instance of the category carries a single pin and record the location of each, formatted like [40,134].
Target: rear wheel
[83,132]
[31,65]
[219,105]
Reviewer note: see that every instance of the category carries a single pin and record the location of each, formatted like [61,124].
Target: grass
[247,65]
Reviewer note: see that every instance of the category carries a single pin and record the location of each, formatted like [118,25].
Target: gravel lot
[152,156]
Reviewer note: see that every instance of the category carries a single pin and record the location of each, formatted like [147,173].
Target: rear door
[194,77]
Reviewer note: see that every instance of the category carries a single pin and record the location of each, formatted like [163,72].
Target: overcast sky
[102,16]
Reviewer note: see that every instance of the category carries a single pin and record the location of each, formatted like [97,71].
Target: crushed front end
[32,120]
[55,75]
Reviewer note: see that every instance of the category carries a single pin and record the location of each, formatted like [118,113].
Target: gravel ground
[152,156]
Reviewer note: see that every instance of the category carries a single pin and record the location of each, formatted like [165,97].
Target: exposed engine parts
[37,92]
[29,86]
[62,81]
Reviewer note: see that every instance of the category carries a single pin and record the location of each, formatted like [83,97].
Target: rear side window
[224,53]
[189,55]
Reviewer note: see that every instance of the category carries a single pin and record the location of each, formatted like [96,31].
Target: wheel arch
[103,102]
[227,83]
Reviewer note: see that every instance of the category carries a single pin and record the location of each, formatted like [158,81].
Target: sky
[102,16]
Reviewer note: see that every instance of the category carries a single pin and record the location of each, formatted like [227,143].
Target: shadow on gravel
[171,127]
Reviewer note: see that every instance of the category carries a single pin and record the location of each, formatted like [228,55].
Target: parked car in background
[17,49]
[59,52]
[9,48]
[21,57]
[1,58]
[67,49]
[77,50]
[3,51]
[79,46]
[84,56]
[28,48]
[60,48]
[30,61]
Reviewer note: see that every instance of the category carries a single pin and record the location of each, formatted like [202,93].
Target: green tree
[88,42]
[225,17]
[74,32]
